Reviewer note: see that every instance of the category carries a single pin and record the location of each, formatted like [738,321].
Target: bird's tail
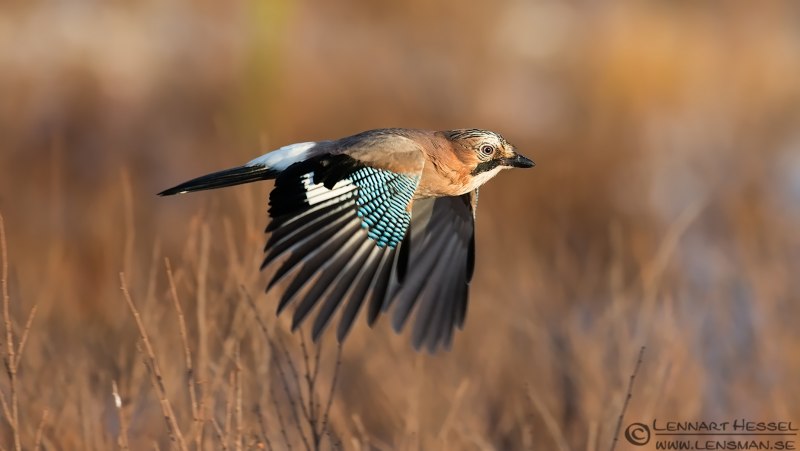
[220,179]
[265,167]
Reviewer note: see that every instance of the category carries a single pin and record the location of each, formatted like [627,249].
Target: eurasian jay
[385,217]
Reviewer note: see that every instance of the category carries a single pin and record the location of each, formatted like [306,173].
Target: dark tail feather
[228,177]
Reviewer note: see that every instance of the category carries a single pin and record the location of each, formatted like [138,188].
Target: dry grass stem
[37,443]
[553,427]
[326,415]
[229,402]
[25,332]
[155,372]
[262,425]
[278,349]
[455,407]
[191,384]
[122,438]
[237,381]
[11,409]
[279,414]
[202,304]
[220,433]
[628,395]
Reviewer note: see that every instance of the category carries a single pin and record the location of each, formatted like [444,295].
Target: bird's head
[485,153]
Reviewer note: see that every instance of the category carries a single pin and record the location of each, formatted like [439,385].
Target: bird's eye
[487,150]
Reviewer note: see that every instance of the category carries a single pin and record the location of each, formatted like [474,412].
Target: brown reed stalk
[155,371]
[191,382]
[122,440]
[10,358]
[281,373]
[37,444]
[628,395]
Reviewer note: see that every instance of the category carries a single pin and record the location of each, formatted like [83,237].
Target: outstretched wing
[336,225]
[347,232]
[440,250]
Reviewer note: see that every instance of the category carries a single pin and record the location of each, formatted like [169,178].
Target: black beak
[518,161]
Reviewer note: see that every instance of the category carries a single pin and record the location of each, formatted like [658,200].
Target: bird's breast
[441,187]
[441,181]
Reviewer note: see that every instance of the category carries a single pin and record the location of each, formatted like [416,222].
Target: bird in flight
[384,218]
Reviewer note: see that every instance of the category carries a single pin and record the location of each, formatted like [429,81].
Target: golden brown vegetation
[664,211]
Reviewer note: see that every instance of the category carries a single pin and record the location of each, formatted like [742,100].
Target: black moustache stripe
[487,166]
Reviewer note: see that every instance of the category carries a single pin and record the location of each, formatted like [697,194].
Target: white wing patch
[284,157]
[317,193]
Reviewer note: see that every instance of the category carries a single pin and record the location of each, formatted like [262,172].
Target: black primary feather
[440,266]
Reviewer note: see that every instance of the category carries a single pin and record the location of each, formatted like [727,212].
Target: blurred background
[663,212]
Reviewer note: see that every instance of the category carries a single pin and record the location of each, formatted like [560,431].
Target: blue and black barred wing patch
[383,198]
[336,225]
